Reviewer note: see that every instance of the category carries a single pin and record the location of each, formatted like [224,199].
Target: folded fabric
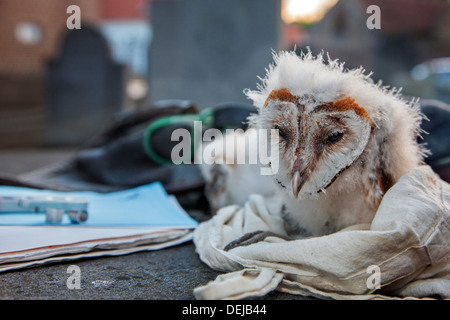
[405,252]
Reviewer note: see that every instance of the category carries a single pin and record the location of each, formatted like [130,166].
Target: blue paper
[147,205]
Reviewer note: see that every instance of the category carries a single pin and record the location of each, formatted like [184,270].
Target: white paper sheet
[143,218]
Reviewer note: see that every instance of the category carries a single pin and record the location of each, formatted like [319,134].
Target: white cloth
[408,240]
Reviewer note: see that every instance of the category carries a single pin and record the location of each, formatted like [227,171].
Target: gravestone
[84,88]
[209,51]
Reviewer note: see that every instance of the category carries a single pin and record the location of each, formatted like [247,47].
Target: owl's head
[336,127]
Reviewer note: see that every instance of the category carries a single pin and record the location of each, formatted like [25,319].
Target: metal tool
[54,207]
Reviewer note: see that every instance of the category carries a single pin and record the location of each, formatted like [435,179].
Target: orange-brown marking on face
[282,94]
[345,105]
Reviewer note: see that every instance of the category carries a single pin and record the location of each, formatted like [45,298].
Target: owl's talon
[250,238]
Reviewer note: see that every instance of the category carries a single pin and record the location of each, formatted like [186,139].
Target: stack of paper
[143,218]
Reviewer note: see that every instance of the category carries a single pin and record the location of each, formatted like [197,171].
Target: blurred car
[434,76]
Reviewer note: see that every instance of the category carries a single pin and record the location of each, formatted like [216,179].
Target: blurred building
[210,51]
[60,86]
[412,31]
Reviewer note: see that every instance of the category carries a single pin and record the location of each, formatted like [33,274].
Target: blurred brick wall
[50,15]
[23,66]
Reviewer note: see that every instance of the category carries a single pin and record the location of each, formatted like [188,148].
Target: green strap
[206,116]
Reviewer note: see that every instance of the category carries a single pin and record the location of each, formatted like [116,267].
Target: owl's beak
[297,183]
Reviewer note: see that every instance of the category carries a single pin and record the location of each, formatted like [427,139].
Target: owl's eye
[334,136]
[281,132]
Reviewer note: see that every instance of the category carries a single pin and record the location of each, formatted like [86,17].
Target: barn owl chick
[343,140]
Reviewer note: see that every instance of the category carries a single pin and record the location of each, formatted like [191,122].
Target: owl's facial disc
[334,136]
[319,142]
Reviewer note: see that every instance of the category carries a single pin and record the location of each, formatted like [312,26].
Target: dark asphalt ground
[167,274]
